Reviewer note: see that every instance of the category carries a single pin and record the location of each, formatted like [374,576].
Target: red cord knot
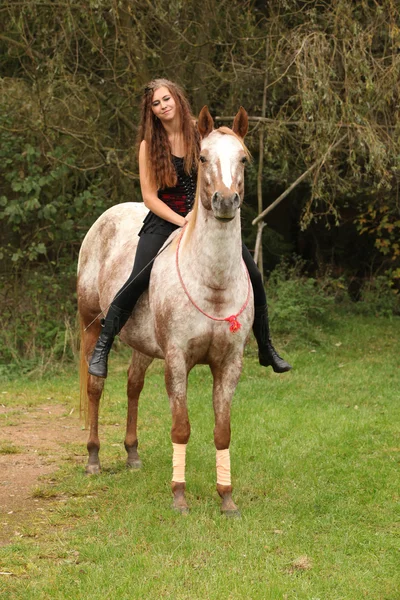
[234,323]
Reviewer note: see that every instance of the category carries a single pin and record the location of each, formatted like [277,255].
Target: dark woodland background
[320,79]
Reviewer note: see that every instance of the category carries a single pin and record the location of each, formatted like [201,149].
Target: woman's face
[163,105]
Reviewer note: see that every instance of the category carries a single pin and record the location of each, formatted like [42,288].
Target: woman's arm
[149,192]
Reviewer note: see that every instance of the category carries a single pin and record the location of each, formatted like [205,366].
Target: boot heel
[112,325]
[267,355]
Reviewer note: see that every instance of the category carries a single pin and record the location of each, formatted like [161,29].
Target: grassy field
[315,463]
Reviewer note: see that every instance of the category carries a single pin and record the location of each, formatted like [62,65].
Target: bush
[378,297]
[38,325]
[39,331]
[299,303]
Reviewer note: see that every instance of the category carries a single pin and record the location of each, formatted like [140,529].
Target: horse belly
[139,331]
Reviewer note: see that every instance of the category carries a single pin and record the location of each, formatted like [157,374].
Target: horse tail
[83,376]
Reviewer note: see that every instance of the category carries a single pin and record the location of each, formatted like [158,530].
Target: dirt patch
[31,448]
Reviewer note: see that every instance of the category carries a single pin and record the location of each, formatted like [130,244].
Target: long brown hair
[159,155]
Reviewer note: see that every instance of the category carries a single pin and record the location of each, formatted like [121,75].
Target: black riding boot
[112,324]
[267,355]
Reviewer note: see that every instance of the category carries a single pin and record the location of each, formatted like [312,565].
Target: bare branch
[318,163]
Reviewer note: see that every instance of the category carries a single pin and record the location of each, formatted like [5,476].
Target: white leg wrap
[223,467]
[179,462]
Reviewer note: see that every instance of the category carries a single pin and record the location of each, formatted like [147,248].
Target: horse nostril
[217,198]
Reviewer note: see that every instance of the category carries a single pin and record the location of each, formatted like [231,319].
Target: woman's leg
[267,354]
[125,300]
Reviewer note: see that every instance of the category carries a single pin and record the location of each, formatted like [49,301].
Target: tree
[72,76]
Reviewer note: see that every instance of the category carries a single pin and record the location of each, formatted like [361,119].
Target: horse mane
[228,131]
[225,131]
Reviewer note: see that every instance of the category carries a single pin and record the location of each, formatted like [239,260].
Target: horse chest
[193,318]
[201,339]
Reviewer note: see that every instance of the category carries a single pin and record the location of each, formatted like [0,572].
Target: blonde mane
[228,131]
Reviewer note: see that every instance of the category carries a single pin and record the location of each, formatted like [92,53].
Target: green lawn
[315,464]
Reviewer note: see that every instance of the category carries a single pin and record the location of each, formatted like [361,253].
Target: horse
[198,308]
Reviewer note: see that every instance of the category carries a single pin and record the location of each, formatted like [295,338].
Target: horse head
[223,156]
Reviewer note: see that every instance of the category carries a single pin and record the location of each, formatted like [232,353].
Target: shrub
[378,297]
[38,320]
[297,302]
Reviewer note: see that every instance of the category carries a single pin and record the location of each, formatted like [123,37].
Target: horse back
[107,254]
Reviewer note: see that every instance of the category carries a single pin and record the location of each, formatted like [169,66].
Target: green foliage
[71,77]
[38,326]
[39,329]
[44,206]
[379,297]
[381,220]
[300,304]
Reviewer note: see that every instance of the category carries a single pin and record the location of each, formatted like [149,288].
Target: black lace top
[179,198]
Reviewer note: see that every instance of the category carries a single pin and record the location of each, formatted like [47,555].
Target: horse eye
[203,159]
[244,160]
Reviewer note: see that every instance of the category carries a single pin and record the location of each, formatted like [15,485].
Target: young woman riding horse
[168,156]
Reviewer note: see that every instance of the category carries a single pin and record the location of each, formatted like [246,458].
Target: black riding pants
[149,245]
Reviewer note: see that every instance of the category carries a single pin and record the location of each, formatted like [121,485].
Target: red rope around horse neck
[233,319]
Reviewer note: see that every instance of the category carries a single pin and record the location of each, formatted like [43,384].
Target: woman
[168,156]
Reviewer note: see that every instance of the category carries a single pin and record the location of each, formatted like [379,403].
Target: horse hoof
[93,470]
[134,464]
[182,510]
[232,514]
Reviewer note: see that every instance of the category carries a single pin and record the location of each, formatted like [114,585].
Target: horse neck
[214,249]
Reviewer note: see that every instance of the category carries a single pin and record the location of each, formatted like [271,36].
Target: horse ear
[241,123]
[205,124]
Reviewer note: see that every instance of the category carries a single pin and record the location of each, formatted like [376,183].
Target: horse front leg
[136,372]
[176,375]
[226,377]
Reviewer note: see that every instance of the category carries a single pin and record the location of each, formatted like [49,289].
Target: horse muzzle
[225,206]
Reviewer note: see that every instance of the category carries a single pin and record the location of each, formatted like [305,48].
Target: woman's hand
[189,216]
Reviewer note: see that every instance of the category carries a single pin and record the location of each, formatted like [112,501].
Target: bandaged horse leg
[222,397]
[136,373]
[176,383]
[178,484]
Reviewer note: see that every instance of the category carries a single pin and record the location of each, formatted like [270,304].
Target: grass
[315,458]
[9,448]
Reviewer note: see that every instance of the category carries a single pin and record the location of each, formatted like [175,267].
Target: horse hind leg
[136,373]
[95,389]
[91,390]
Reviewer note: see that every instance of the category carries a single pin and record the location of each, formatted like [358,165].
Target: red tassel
[234,323]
